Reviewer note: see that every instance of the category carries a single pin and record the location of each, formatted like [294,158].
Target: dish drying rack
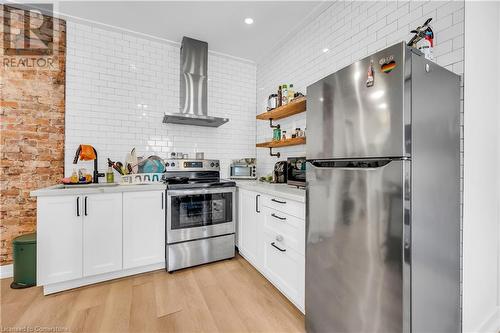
[141,178]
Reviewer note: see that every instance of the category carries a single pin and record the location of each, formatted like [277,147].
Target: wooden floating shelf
[296,106]
[282,143]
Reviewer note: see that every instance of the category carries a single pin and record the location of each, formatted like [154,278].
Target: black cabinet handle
[85,206]
[281,202]
[282,250]
[278,217]
[77,206]
[162,203]
[257,203]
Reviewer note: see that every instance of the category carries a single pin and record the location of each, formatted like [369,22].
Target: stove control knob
[173,164]
[167,164]
[212,164]
[217,164]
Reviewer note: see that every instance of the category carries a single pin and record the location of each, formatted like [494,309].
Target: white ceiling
[221,24]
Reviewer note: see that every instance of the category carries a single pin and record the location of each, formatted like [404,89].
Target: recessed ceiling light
[326,50]
[249,20]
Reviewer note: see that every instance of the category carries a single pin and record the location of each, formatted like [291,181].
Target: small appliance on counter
[243,169]
[296,174]
[280,172]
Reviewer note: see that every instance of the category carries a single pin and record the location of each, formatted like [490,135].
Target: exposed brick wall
[32,133]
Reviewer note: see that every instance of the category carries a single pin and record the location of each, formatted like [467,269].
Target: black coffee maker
[280,172]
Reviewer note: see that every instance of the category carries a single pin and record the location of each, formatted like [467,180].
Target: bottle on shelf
[280,96]
[284,95]
[291,93]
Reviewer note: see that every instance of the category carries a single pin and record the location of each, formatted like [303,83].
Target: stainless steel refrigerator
[383,197]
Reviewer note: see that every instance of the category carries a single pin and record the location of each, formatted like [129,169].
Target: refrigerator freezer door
[348,119]
[357,268]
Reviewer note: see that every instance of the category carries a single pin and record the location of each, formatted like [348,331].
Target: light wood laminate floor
[226,296]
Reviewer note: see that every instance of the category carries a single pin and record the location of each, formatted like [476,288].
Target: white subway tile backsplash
[120,85]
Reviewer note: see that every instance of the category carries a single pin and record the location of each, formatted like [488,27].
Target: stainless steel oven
[199,213]
[200,220]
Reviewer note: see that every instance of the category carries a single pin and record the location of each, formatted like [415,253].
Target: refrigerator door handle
[351,164]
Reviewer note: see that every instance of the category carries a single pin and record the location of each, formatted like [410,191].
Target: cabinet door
[284,266]
[143,228]
[249,228]
[102,233]
[59,239]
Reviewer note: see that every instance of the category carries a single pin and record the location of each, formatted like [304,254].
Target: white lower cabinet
[143,228]
[78,236]
[272,238]
[88,238]
[102,233]
[284,267]
[249,225]
[59,239]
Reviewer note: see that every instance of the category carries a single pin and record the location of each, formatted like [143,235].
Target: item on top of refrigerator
[291,93]
[280,96]
[426,46]
[423,39]
[284,95]
[277,134]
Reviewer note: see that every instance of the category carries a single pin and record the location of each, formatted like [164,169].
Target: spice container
[283,135]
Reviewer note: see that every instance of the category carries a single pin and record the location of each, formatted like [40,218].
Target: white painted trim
[6,271]
[61,286]
[492,323]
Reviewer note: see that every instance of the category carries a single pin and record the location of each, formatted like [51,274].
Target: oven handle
[175,193]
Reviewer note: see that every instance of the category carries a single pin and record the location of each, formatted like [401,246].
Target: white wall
[481,312]
[111,74]
[350,30]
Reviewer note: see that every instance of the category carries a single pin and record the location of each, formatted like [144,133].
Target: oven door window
[199,210]
[240,171]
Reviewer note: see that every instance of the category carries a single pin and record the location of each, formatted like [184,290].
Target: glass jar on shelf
[276,134]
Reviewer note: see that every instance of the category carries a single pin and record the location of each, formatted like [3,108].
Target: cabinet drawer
[290,207]
[290,229]
[285,268]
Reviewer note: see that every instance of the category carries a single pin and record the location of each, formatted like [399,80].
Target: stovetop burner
[194,179]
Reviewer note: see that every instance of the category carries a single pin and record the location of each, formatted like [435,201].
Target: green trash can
[24,248]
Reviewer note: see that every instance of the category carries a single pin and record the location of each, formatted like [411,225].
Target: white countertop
[61,189]
[280,190]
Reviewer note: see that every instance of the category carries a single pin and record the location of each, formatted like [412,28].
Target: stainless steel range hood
[193,89]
